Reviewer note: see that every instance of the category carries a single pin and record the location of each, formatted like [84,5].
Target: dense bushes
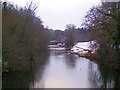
[24,36]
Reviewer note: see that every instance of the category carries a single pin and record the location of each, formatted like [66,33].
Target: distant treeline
[24,36]
[79,34]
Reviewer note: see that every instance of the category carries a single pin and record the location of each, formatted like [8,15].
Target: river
[62,70]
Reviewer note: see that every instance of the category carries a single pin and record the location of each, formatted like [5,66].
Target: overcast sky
[57,13]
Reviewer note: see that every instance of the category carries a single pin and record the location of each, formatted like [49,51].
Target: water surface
[64,70]
[58,69]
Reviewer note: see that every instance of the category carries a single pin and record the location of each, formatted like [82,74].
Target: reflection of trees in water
[18,79]
[94,75]
[40,60]
[70,60]
[101,76]
[107,76]
[57,52]
[22,79]
[38,67]
[36,84]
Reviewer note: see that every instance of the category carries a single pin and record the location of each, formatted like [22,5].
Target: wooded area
[103,24]
[23,36]
[26,39]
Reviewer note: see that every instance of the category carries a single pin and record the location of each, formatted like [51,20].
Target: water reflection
[101,76]
[58,69]
[63,71]
[68,71]
[70,60]
[94,75]
[23,79]
[38,67]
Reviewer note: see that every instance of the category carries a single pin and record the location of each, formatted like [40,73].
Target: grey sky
[57,13]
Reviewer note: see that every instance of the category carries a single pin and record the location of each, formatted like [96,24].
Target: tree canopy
[103,24]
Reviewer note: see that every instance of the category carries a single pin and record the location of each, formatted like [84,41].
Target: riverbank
[95,58]
[82,49]
[69,71]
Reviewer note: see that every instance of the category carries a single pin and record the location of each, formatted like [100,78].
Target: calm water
[62,70]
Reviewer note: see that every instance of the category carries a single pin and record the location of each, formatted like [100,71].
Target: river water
[62,70]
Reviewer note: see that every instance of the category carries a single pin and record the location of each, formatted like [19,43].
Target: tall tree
[23,36]
[103,23]
[70,33]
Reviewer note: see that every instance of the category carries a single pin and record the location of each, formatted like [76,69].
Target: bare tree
[70,33]
[23,36]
